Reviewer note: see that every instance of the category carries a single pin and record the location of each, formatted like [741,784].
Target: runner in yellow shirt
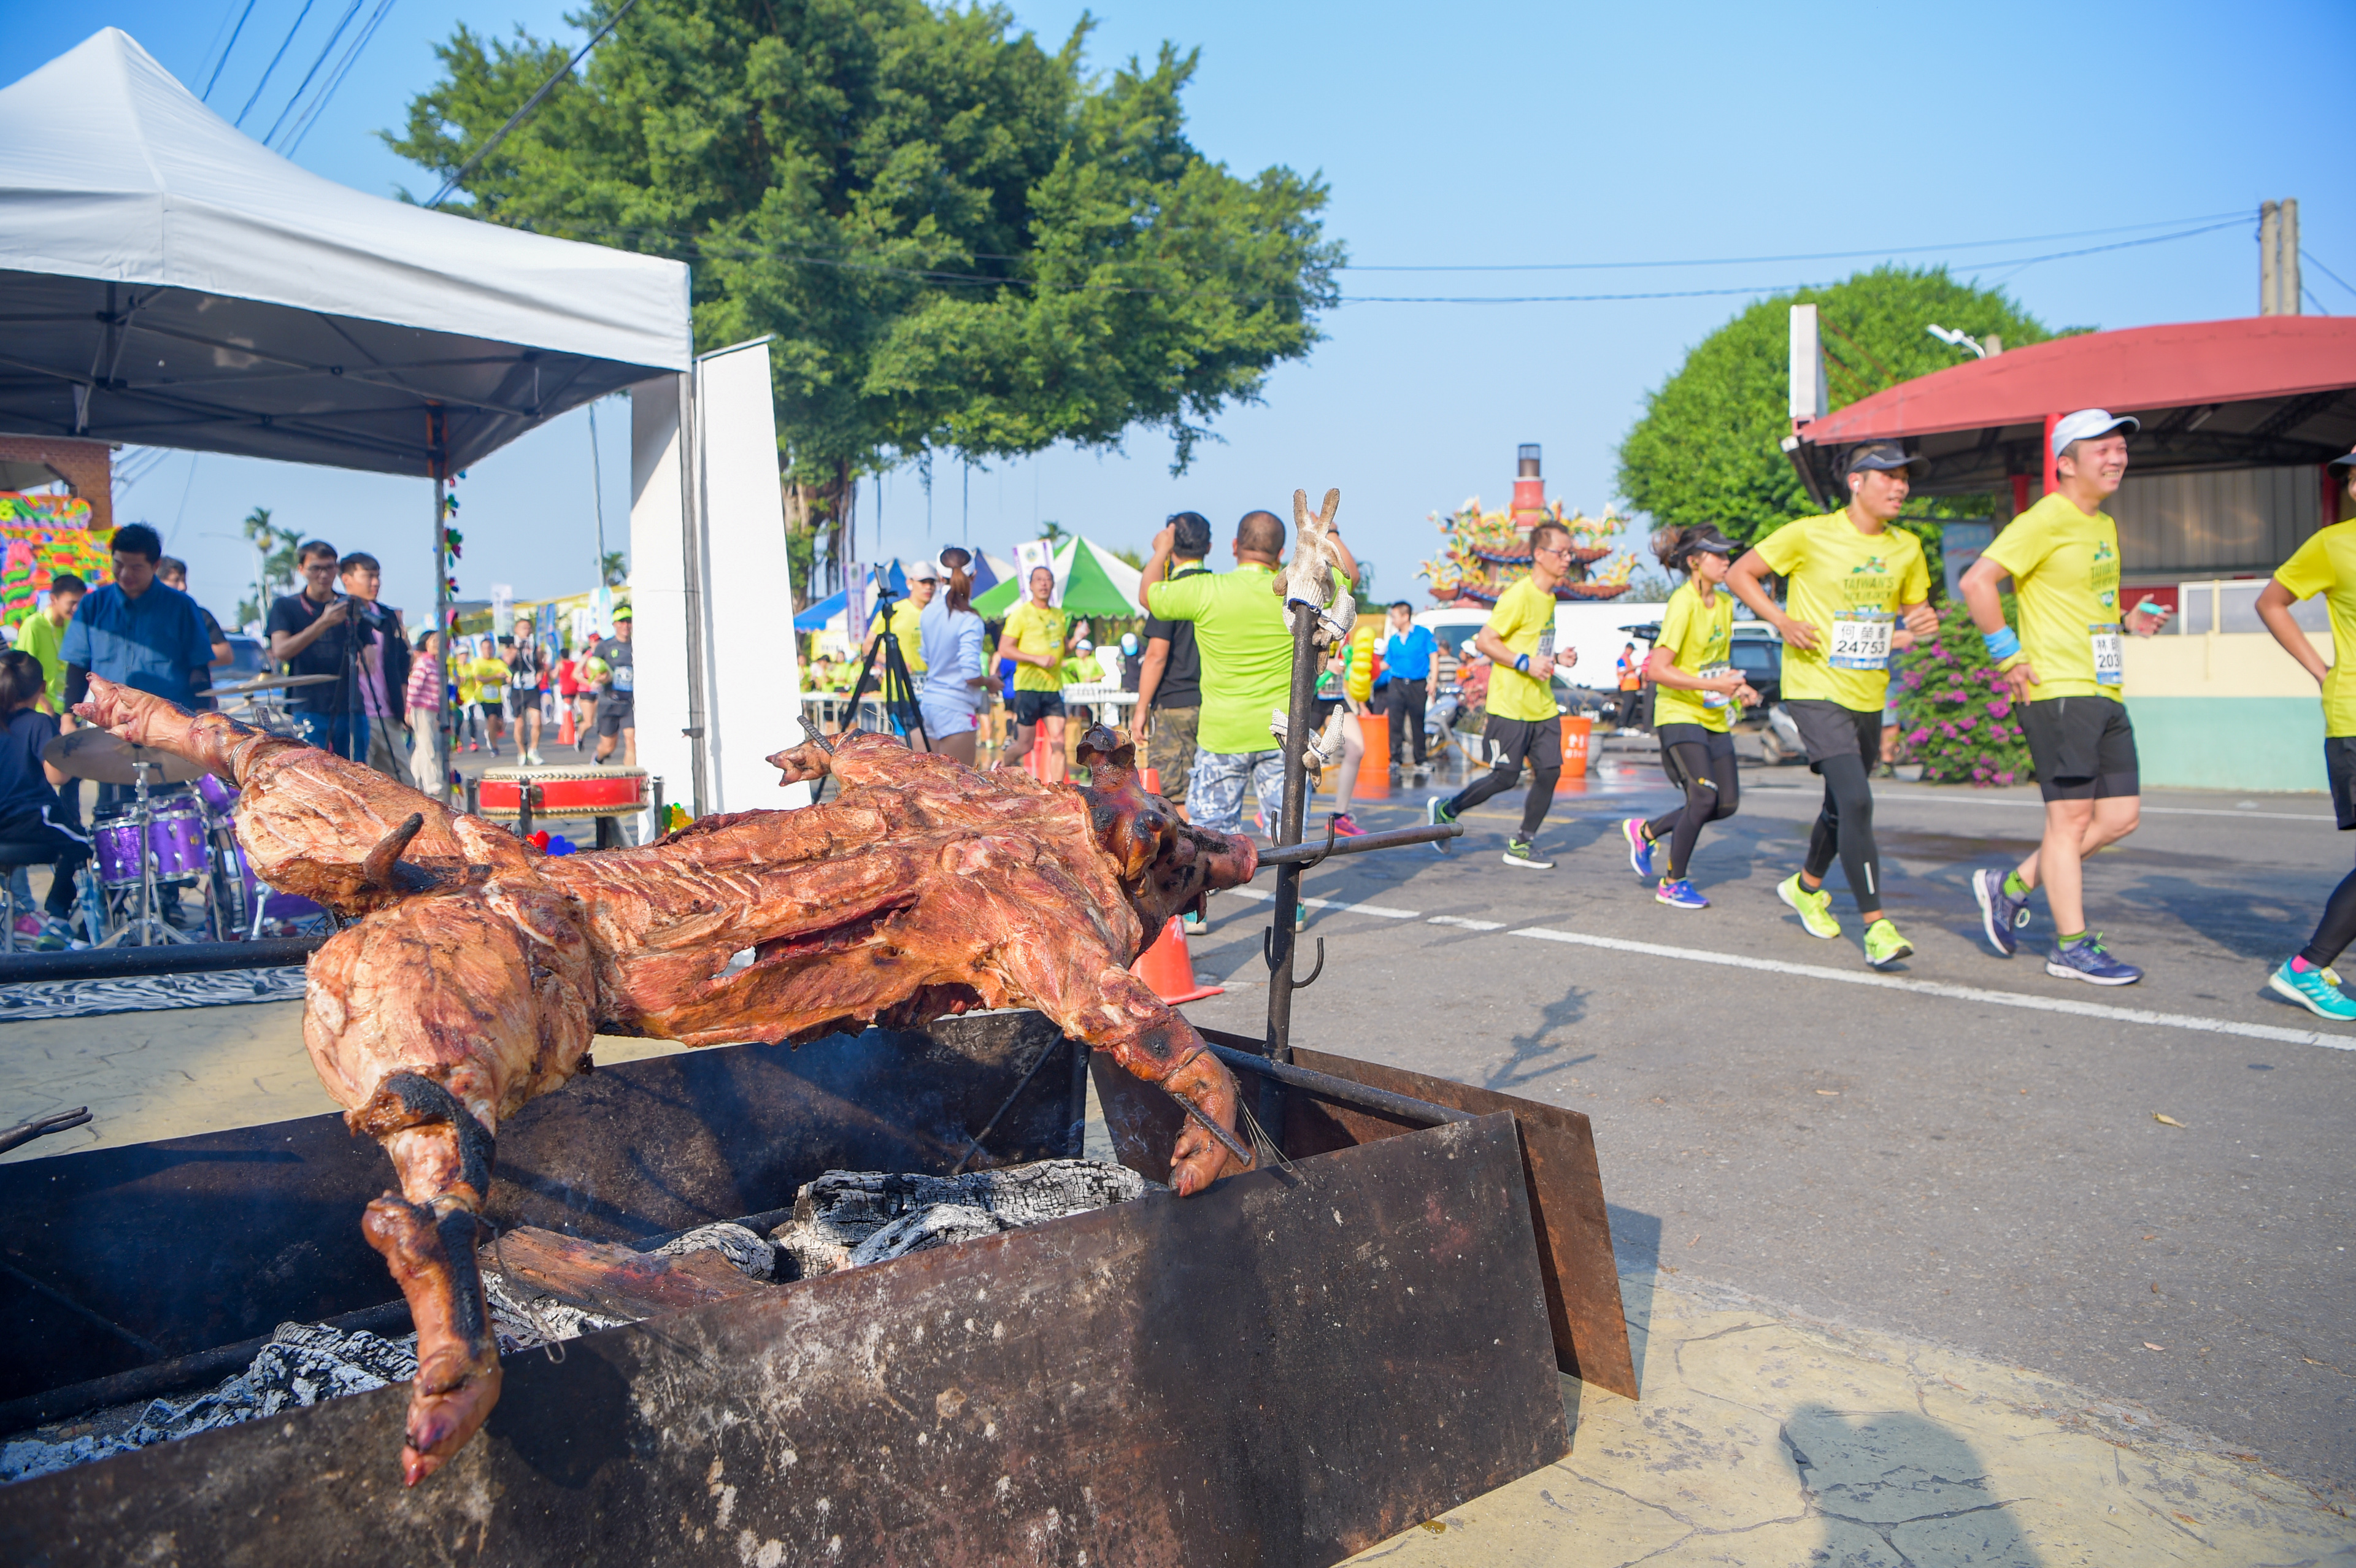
[1524,722]
[2325,564]
[1698,692]
[2068,686]
[1034,639]
[1853,579]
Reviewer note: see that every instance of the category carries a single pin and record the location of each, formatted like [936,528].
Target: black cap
[1711,542]
[2347,462]
[1883,455]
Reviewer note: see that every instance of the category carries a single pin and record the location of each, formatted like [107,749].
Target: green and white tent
[1089,581]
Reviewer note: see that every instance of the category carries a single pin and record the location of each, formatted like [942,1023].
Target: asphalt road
[1922,1157]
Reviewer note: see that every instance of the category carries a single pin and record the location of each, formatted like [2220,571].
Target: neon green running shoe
[1884,946]
[1815,908]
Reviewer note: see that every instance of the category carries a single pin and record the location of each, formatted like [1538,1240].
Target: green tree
[614,568]
[1709,446]
[279,572]
[963,242]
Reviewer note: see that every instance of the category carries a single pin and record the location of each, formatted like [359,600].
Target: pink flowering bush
[1957,711]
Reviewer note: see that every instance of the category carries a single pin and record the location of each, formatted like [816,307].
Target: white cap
[2088,423]
[924,571]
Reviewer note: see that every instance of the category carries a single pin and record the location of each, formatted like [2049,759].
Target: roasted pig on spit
[476,969]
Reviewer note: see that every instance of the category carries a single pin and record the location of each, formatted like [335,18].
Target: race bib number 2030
[2110,663]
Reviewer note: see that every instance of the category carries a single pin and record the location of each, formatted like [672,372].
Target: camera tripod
[896,689]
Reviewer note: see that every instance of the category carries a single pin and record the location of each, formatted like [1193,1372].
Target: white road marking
[1458,919]
[1385,911]
[1955,993]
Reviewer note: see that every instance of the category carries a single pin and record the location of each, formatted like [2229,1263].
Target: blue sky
[1473,134]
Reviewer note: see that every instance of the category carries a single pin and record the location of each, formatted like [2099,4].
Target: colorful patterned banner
[42,536]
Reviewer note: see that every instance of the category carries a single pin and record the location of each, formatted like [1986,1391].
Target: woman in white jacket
[954,690]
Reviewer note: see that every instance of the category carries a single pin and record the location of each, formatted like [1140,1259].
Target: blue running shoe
[2313,989]
[1639,847]
[1439,815]
[2085,960]
[2001,914]
[1678,894]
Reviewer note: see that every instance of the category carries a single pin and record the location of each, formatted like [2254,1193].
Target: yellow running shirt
[2065,572]
[1039,632]
[1695,636]
[911,639]
[1524,622]
[1849,585]
[2326,564]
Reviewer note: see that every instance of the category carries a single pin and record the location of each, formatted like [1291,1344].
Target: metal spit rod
[1307,855]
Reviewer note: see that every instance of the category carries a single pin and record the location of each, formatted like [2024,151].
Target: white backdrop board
[659,504]
[753,687]
[708,583]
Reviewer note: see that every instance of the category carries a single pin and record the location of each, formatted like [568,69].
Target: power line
[336,77]
[946,278]
[283,45]
[1807,256]
[207,95]
[303,86]
[529,104]
[2308,256]
[2016,263]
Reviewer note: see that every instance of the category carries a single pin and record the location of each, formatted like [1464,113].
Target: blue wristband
[1522,663]
[2002,643]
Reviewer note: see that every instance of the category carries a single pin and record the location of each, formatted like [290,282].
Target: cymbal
[268,681]
[97,756]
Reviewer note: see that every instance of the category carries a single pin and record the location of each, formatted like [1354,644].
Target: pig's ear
[1107,756]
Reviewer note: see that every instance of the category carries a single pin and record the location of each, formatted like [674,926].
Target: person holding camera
[320,631]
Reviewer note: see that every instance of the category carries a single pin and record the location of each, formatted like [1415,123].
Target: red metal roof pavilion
[2266,392]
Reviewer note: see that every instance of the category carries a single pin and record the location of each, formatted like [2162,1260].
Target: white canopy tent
[166,281]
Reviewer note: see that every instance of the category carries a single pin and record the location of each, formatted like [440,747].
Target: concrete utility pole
[2279,281]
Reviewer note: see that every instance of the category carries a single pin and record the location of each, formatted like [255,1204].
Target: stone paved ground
[1765,1438]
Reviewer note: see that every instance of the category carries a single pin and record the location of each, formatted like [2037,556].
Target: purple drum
[245,893]
[174,836]
[219,793]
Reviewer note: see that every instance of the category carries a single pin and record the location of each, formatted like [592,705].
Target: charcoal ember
[303,1364]
[935,1225]
[524,1317]
[750,1255]
[848,1219]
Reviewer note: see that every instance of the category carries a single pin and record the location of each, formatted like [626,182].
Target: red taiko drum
[565,792]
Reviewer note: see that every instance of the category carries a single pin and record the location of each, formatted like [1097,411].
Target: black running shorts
[2083,748]
[1538,741]
[614,716]
[1030,707]
[1829,730]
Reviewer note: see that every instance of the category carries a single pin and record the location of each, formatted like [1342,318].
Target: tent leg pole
[435,438]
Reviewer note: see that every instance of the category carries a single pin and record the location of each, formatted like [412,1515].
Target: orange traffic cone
[1153,780]
[1170,969]
[564,723]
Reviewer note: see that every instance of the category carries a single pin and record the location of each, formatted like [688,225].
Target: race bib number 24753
[1861,639]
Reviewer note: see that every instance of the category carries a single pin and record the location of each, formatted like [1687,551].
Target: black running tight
[1505,777]
[2337,930]
[1701,761]
[1845,830]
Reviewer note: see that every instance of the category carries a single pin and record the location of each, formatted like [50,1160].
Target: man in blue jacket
[1407,660]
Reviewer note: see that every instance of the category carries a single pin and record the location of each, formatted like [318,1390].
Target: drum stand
[149,924]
